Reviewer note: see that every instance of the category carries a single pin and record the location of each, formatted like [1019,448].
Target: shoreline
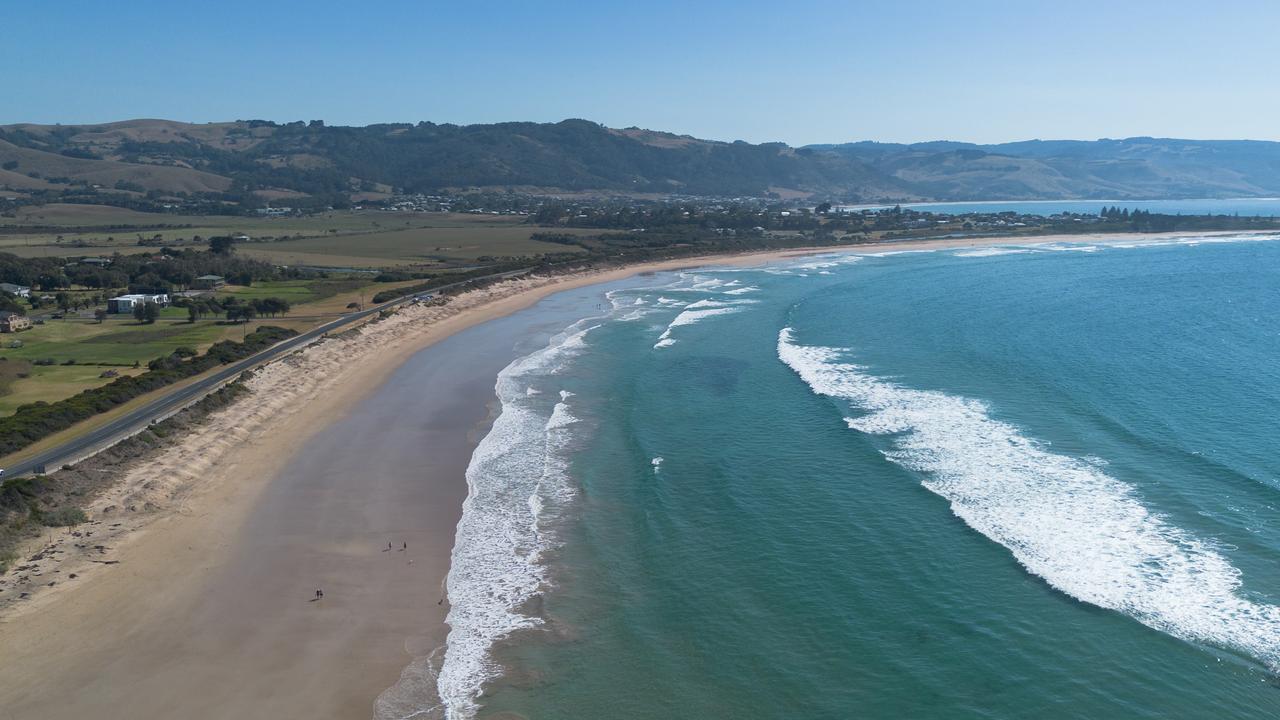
[220,474]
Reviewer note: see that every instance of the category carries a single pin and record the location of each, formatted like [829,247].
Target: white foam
[1086,533]
[992,252]
[742,290]
[689,317]
[657,464]
[1064,247]
[706,283]
[713,303]
[517,475]
[825,262]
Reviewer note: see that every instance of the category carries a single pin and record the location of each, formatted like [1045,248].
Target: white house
[126,303]
[19,290]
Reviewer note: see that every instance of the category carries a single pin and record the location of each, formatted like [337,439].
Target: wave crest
[1084,532]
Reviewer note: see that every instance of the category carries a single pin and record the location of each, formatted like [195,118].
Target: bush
[63,517]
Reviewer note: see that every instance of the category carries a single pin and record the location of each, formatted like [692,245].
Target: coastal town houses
[125,303]
[16,290]
[12,322]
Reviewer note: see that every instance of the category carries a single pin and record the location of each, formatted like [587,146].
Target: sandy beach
[339,449]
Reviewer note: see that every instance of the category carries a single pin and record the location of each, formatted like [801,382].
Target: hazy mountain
[1064,169]
[284,160]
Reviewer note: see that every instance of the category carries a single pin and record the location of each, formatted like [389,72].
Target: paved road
[135,420]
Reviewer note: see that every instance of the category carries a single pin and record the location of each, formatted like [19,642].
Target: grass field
[113,345]
[338,240]
[298,292]
[355,239]
[121,341]
[53,383]
[415,246]
[115,342]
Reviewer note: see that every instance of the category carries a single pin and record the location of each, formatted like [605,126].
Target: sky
[800,72]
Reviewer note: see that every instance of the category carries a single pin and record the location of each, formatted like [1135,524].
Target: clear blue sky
[800,72]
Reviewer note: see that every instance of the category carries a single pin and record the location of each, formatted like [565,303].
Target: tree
[193,313]
[242,313]
[64,301]
[146,312]
[270,306]
[222,245]
[100,315]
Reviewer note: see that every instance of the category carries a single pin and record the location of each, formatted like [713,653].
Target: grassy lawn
[298,292]
[53,383]
[114,342]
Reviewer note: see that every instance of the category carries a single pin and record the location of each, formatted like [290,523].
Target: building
[19,290]
[12,322]
[209,282]
[96,261]
[126,303]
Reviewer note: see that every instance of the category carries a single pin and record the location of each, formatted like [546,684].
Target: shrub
[63,517]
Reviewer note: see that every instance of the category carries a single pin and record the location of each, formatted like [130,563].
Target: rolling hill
[243,160]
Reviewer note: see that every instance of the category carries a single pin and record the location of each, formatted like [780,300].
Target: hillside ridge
[256,160]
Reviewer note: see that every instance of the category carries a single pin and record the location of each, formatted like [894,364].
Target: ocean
[1007,482]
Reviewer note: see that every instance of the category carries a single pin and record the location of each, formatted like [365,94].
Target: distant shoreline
[61,641]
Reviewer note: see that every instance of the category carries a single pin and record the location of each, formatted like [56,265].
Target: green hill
[247,161]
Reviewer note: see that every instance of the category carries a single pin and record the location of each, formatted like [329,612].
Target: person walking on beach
[319,593]
[406,547]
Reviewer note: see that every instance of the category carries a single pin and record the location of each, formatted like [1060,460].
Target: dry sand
[196,622]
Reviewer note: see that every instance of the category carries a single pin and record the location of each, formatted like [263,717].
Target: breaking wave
[518,473]
[1084,532]
[689,317]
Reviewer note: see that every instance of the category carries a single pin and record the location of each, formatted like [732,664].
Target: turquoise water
[997,483]
[1246,207]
